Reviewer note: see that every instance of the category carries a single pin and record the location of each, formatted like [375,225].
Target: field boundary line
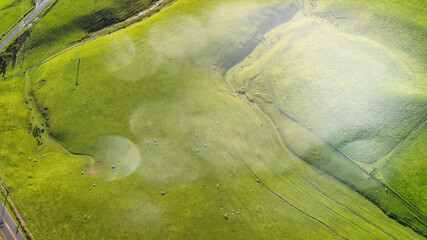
[308,181]
[389,154]
[254,174]
[348,158]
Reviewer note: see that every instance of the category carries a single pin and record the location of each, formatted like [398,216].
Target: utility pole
[78,66]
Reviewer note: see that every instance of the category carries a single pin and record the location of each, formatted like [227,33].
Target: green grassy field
[160,79]
[363,99]
[410,156]
[71,21]
[11,11]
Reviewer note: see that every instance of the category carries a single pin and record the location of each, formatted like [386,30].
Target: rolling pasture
[356,94]
[409,156]
[72,21]
[162,130]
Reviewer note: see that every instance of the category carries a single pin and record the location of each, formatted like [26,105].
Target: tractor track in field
[316,188]
[243,219]
[254,174]
[338,151]
[313,185]
[281,112]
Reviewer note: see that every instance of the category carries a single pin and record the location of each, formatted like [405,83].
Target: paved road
[40,5]
[8,226]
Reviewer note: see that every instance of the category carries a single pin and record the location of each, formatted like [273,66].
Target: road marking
[13,235]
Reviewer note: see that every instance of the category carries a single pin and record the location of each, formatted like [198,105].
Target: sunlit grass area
[406,169]
[71,21]
[353,91]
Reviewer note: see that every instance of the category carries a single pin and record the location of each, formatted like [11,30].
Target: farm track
[243,219]
[342,154]
[253,173]
[281,112]
[312,184]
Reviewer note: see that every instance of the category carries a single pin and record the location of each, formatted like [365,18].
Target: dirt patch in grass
[93,171]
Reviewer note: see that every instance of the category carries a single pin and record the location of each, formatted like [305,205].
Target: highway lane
[40,5]
[8,226]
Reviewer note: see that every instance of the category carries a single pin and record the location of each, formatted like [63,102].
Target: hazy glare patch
[364,112]
[353,148]
[139,213]
[178,36]
[130,60]
[229,16]
[120,53]
[172,160]
[153,119]
[118,152]
[168,153]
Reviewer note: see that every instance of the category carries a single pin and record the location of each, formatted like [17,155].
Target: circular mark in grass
[93,171]
[117,151]
[173,160]
[119,54]
[129,59]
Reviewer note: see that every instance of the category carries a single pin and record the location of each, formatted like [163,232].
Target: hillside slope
[71,21]
[167,149]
